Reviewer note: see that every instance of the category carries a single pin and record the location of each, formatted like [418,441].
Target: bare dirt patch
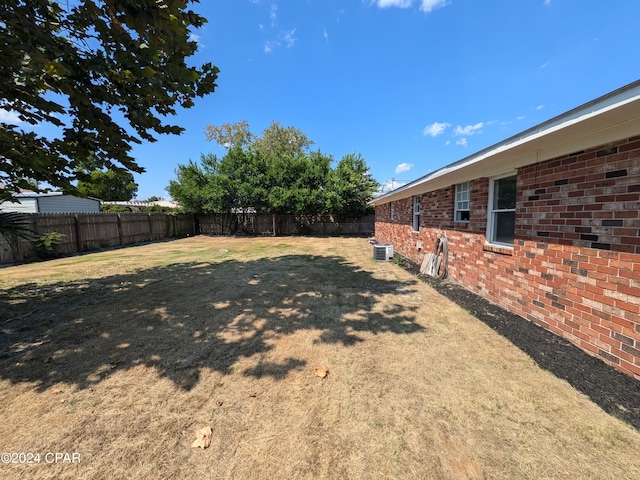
[123,356]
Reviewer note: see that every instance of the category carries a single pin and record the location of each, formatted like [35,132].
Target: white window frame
[416,213]
[393,210]
[491,212]
[462,189]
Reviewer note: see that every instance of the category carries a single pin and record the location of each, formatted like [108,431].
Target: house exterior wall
[574,268]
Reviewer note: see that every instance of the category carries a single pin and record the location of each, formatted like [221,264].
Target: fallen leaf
[203,438]
[219,403]
[56,391]
[253,394]
[322,372]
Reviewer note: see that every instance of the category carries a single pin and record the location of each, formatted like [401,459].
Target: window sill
[502,249]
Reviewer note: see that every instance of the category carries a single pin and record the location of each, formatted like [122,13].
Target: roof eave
[611,117]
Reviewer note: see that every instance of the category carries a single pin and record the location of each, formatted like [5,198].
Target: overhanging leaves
[104,72]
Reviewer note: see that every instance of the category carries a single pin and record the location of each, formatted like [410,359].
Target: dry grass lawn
[121,356]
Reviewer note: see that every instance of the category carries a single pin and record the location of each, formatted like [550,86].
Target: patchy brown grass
[122,356]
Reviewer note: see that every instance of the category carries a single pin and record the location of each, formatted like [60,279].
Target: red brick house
[545,224]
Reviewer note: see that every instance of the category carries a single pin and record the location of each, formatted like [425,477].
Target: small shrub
[47,244]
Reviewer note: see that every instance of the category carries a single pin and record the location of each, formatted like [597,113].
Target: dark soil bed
[616,393]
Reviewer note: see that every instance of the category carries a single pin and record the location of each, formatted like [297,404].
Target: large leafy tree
[103,73]
[220,185]
[274,173]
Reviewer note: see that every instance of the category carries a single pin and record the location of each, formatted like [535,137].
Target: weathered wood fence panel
[97,230]
[268,224]
[85,232]
[92,231]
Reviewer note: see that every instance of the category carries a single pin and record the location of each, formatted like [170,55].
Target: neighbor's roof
[141,203]
[611,117]
[31,194]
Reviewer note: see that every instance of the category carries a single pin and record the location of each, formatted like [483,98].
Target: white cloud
[468,130]
[462,142]
[290,38]
[273,14]
[427,6]
[394,3]
[435,129]
[547,2]
[539,107]
[9,117]
[287,38]
[193,37]
[325,35]
[404,167]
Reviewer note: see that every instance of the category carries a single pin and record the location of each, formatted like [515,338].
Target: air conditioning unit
[382,251]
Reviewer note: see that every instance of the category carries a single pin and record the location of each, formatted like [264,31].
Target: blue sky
[411,85]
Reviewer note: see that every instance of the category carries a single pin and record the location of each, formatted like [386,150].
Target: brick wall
[575,265]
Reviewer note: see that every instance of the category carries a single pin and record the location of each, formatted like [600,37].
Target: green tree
[236,181]
[278,141]
[275,173]
[193,187]
[109,185]
[104,72]
[297,183]
[351,187]
[230,135]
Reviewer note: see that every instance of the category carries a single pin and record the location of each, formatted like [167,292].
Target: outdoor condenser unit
[382,251]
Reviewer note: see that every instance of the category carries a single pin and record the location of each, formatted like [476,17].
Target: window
[416,213]
[502,210]
[393,210]
[463,192]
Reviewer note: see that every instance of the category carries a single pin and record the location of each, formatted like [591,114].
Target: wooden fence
[279,225]
[84,232]
[92,231]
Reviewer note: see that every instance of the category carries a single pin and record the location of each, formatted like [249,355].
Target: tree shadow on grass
[185,319]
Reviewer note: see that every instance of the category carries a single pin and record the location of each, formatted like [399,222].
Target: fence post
[76,224]
[120,233]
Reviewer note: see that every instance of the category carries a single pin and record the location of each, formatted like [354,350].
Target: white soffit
[613,117]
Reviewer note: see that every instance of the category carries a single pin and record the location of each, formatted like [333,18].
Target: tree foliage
[103,73]
[230,135]
[352,186]
[109,185]
[275,173]
[279,142]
